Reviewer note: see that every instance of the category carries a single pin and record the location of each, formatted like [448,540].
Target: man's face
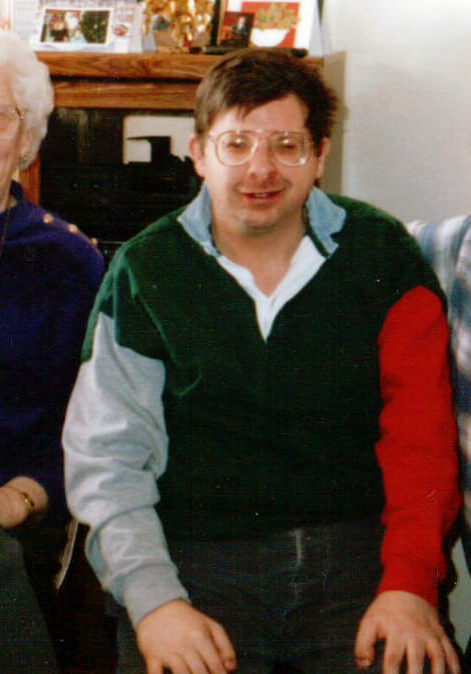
[262,195]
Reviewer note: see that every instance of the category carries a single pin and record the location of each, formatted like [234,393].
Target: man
[277,361]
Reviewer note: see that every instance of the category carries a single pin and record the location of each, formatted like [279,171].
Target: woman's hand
[21,499]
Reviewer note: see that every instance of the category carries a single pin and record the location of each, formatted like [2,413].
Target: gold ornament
[178,24]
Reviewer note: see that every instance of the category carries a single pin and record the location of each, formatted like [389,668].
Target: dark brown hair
[251,77]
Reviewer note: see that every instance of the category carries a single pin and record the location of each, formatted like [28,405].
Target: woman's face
[14,142]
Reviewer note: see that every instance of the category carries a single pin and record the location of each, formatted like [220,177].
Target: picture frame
[81,25]
[76,26]
[284,24]
[235,29]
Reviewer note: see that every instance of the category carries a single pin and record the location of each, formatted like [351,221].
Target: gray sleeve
[115,446]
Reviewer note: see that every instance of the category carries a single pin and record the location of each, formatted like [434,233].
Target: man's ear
[322,152]
[196,147]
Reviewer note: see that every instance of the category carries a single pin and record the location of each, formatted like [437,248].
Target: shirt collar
[16,214]
[324,217]
[16,191]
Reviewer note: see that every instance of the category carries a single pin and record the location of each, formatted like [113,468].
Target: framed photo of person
[281,24]
[235,29]
[79,25]
[75,27]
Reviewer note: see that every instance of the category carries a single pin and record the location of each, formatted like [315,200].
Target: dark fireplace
[84,179]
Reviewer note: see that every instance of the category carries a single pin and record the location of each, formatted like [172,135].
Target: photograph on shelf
[281,24]
[79,25]
[76,26]
[235,29]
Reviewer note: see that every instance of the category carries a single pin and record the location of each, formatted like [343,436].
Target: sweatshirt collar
[324,217]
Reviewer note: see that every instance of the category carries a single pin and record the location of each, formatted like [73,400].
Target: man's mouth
[262,195]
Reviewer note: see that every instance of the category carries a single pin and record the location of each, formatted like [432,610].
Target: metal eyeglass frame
[257,135]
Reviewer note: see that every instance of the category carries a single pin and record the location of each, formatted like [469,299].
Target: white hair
[31,88]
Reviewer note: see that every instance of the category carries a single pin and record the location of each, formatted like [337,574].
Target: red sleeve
[417,446]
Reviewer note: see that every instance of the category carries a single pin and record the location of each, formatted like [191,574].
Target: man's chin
[261,226]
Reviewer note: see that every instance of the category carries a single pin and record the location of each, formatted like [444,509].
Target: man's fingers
[415,658]
[210,656]
[177,665]
[411,631]
[451,657]
[180,638]
[394,654]
[154,667]
[224,646]
[195,661]
[365,644]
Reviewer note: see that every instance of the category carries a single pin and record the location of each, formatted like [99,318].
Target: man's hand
[412,633]
[185,641]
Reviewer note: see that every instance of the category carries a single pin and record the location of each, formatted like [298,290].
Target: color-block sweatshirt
[343,411]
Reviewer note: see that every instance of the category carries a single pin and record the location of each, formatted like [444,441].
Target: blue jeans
[290,602]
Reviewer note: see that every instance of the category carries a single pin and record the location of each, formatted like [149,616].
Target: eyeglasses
[234,148]
[7,114]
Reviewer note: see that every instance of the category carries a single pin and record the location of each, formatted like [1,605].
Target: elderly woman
[49,273]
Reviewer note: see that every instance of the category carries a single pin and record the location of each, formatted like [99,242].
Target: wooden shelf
[149,66]
[132,66]
[137,81]
[140,81]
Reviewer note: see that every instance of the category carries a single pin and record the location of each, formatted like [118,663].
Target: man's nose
[263,159]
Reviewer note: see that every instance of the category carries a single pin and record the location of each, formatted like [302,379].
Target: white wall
[407,138]
[406,143]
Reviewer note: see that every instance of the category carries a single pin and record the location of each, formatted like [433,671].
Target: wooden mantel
[138,81]
[150,65]
[149,81]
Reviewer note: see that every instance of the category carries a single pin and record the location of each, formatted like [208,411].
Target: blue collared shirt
[324,217]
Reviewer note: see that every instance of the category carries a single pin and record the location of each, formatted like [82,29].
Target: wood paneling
[125,94]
